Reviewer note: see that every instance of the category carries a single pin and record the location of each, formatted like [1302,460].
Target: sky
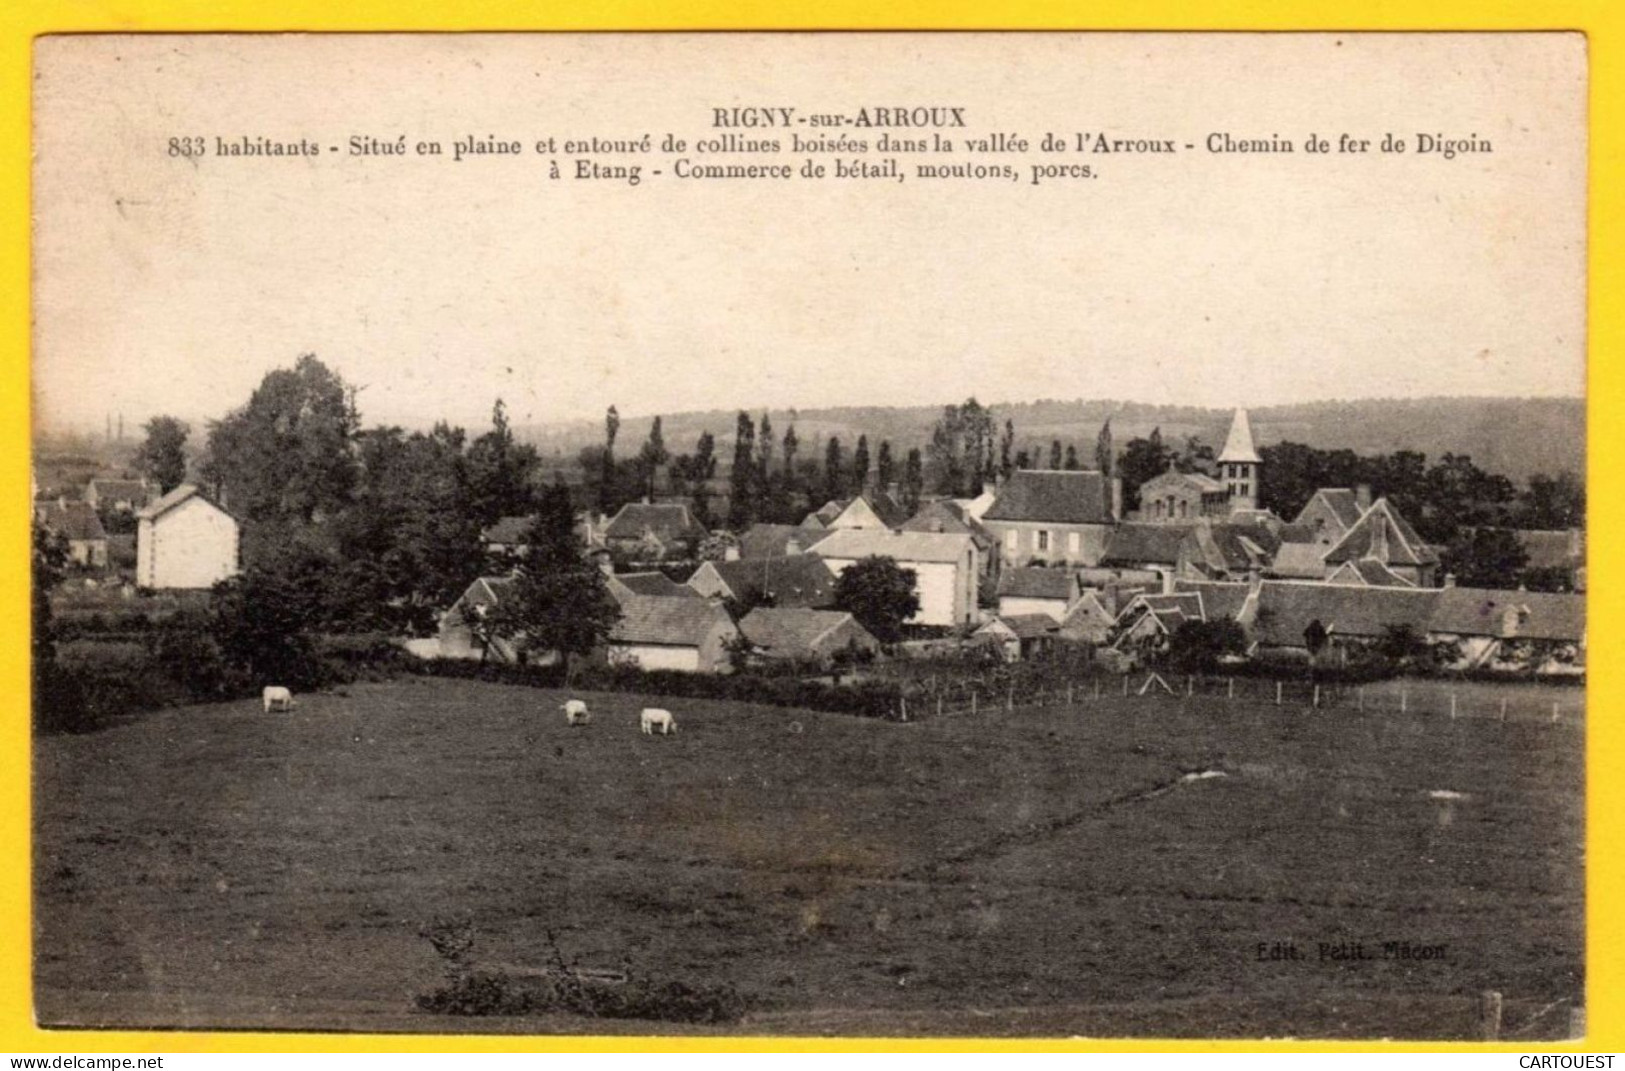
[169,285]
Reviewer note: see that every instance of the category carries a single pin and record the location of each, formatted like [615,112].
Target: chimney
[1450,580]
[1167,578]
[1378,550]
[1362,496]
[1117,498]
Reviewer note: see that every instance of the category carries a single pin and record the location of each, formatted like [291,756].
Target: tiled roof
[183,493]
[801,580]
[1286,608]
[1034,583]
[905,547]
[1299,561]
[1131,544]
[1483,612]
[1383,524]
[654,619]
[949,515]
[774,540]
[1200,481]
[76,521]
[1368,573]
[795,632]
[666,520]
[1031,626]
[655,584]
[1053,497]
[1238,445]
[1343,504]
[1219,598]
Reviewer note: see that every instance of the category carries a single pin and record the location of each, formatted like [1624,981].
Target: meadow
[1189,866]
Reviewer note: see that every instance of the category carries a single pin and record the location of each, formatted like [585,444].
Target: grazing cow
[575,712]
[662,719]
[278,698]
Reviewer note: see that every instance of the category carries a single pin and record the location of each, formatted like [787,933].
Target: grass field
[1046,872]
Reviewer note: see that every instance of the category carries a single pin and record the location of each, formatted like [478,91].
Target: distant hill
[1515,437]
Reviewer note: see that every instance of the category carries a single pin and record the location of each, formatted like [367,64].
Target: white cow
[575,712]
[653,718]
[278,698]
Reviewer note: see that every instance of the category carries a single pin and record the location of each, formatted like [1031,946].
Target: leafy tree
[961,449]
[1143,459]
[500,472]
[266,619]
[834,478]
[651,457]
[50,565]
[609,497]
[288,455]
[1485,558]
[885,473]
[1552,502]
[1403,643]
[1055,454]
[913,482]
[1198,645]
[880,594]
[1315,638]
[162,457]
[860,465]
[1007,443]
[1072,458]
[742,507]
[1105,461]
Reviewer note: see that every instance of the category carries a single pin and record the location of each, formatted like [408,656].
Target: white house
[946,567]
[662,632]
[184,540]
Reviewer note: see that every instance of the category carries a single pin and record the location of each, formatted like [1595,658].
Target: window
[1010,539]
[1072,541]
[1043,539]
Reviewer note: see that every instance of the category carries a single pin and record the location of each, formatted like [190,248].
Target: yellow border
[22,20]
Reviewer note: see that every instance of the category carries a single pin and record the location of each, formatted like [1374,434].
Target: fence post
[902,706]
[973,702]
[1554,712]
[1010,698]
[1125,688]
[1190,685]
[1403,700]
[1489,1015]
[1277,693]
[1316,701]
[1230,687]
[1503,709]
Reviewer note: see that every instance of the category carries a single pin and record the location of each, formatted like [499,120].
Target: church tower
[1239,464]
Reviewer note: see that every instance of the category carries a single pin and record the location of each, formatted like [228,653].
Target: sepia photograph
[906,535]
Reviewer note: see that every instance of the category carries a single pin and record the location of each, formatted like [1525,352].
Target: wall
[1089,549]
[652,656]
[1010,605]
[193,545]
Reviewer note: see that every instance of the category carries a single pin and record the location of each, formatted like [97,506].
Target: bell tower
[1239,464]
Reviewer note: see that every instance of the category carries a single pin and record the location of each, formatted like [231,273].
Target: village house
[1239,465]
[648,583]
[1091,619]
[1037,590]
[1176,497]
[1226,550]
[1382,536]
[658,632]
[185,540]
[1020,636]
[799,634]
[776,541]
[654,531]
[952,515]
[1328,516]
[462,632]
[125,496]
[1151,548]
[1049,516]
[945,565]
[1541,631]
[870,510]
[77,524]
[803,581]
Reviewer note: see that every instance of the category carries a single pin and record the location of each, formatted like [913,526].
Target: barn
[660,632]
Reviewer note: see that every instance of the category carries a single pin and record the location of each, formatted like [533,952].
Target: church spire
[1239,464]
[1239,445]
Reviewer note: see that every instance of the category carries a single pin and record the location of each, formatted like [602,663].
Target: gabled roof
[949,515]
[1385,536]
[1187,603]
[792,632]
[1299,561]
[509,530]
[1341,502]
[1134,543]
[1285,609]
[1054,497]
[1036,583]
[654,584]
[1219,598]
[1026,626]
[118,490]
[1238,446]
[666,622]
[667,521]
[1199,481]
[184,493]
[905,547]
[800,580]
[774,540]
[885,508]
[1235,548]
[75,521]
[1541,615]
[1367,573]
